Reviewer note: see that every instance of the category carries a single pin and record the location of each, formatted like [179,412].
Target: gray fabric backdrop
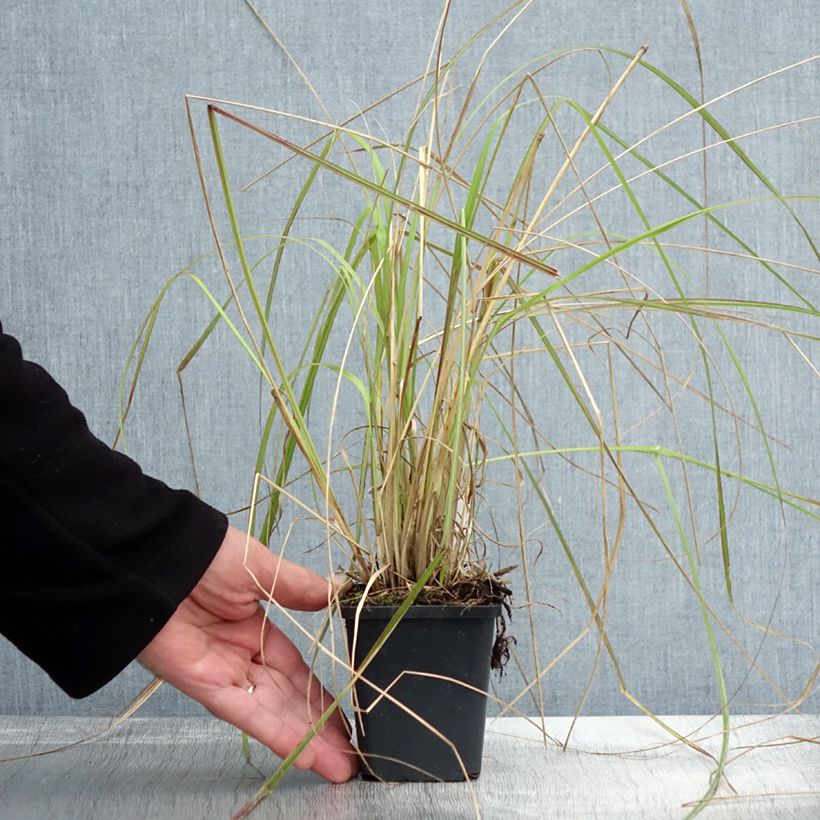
[101,205]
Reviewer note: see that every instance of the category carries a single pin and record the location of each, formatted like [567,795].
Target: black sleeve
[95,556]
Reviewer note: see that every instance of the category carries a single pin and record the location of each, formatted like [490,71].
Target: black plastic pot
[443,640]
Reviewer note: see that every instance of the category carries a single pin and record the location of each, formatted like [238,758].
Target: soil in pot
[448,640]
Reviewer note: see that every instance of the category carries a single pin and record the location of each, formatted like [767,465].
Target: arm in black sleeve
[95,556]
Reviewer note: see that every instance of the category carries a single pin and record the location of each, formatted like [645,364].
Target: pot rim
[386,612]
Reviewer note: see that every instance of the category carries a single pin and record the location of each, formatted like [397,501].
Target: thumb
[290,584]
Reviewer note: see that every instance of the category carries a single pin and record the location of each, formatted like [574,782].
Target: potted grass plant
[474,244]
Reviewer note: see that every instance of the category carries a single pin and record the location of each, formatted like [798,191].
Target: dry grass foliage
[459,268]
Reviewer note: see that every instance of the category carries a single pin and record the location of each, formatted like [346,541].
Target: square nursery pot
[453,641]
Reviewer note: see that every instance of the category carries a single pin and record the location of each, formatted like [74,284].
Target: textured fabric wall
[101,205]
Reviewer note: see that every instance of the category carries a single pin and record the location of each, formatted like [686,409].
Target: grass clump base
[478,589]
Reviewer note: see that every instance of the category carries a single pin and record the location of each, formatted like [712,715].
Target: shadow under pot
[454,642]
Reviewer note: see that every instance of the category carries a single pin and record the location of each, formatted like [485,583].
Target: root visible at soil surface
[479,590]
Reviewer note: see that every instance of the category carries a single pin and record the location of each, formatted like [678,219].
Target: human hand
[212,650]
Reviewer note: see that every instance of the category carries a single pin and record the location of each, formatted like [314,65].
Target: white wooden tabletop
[615,767]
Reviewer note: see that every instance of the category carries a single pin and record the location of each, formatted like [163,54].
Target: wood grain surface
[615,767]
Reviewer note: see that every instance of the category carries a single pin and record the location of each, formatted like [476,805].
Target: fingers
[275,689]
[279,651]
[271,715]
